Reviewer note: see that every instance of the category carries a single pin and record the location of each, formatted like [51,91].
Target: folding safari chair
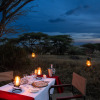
[5,76]
[78,83]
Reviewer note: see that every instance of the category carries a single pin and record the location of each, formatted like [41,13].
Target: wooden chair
[5,76]
[78,83]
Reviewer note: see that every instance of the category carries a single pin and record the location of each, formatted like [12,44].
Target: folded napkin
[12,96]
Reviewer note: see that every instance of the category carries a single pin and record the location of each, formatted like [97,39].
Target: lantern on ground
[33,55]
[16,88]
[88,62]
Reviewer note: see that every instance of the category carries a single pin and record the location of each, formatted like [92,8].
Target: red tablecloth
[12,96]
[58,82]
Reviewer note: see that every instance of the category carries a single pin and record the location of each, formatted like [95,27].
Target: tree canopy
[42,43]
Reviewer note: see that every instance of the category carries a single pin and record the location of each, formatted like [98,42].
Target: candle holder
[38,77]
[39,73]
[17,89]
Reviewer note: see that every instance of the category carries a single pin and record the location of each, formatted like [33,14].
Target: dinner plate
[40,84]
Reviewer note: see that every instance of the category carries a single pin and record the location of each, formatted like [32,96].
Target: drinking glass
[24,76]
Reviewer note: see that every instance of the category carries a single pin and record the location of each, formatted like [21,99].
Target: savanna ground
[65,66]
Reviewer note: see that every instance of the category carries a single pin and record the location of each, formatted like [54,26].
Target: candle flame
[39,71]
[17,81]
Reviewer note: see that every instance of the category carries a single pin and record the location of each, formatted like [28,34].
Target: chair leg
[84,98]
[72,89]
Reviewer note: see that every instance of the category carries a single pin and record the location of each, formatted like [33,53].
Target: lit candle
[35,71]
[39,71]
[17,81]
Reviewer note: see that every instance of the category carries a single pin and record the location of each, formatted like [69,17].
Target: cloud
[57,20]
[80,38]
[72,11]
[95,40]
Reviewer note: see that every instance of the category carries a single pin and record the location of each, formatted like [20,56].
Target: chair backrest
[5,76]
[79,83]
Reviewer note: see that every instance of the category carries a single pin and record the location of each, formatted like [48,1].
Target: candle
[17,81]
[39,71]
[44,76]
[35,71]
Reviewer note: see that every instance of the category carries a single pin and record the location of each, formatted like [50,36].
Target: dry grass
[66,65]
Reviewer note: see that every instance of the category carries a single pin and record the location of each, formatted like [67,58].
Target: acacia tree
[34,41]
[9,9]
[60,43]
[89,48]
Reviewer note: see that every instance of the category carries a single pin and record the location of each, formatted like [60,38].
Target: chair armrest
[57,86]
[61,85]
[70,97]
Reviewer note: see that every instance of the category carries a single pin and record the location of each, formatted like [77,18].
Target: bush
[12,57]
[75,51]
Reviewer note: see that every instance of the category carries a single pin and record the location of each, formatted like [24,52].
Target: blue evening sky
[78,18]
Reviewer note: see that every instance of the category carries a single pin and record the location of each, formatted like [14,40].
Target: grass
[65,66]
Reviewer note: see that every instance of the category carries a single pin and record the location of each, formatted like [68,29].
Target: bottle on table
[52,69]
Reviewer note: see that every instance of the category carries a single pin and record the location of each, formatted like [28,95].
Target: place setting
[32,83]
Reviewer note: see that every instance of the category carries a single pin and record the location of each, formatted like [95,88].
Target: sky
[78,18]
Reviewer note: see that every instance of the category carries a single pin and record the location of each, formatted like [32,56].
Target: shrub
[12,57]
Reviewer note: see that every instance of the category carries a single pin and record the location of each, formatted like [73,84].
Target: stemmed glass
[24,76]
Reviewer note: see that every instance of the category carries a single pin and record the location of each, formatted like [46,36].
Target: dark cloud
[96,35]
[72,11]
[57,20]
[86,6]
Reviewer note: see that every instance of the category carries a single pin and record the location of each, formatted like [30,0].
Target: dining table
[26,93]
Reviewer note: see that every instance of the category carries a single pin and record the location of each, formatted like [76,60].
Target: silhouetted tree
[10,10]
[60,43]
[34,41]
[97,46]
[89,48]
